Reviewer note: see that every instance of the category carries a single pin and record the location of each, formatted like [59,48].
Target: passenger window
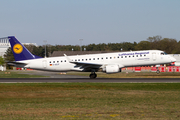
[102,58]
[89,58]
[57,61]
[53,61]
[97,58]
[64,60]
[136,55]
[110,57]
[106,57]
[125,56]
[82,59]
[93,58]
[121,56]
[49,61]
[129,56]
[78,59]
[75,60]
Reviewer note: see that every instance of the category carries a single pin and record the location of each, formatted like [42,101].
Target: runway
[53,77]
[87,80]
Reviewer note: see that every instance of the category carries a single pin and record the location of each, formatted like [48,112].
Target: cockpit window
[163,53]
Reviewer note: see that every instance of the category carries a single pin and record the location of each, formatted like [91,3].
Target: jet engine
[112,69]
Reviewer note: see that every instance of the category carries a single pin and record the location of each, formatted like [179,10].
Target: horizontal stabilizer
[17,64]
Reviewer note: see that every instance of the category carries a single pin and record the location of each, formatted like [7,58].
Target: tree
[127,46]
[30,47]
[2,61]
[8,56]
[168,45]
[155,42]
[143,45]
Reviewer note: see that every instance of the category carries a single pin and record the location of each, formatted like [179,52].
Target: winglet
[68,59]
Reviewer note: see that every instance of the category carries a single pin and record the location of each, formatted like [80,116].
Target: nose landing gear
[157,70]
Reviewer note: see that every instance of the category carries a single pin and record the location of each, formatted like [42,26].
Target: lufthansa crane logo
[18,48]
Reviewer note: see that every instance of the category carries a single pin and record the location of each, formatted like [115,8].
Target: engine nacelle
[112,69]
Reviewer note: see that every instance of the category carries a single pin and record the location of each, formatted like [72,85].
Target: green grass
[17,74]
[134,101]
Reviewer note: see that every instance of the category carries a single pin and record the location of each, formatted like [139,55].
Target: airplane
[107,62]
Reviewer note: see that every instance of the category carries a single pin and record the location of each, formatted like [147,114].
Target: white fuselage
[99,61]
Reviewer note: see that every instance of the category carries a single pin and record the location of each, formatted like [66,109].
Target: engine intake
[112,69]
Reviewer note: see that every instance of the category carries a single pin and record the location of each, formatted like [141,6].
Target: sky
[65,22]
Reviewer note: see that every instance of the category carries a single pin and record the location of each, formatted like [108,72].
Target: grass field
[132,101]
[17,74]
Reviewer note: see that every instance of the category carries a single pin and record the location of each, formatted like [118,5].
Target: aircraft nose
[173,59]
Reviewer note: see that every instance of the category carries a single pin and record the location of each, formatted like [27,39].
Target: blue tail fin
[19,51]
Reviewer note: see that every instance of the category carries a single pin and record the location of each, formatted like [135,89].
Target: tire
[157,71]
[93,76]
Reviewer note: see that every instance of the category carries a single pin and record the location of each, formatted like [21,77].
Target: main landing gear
[93,75]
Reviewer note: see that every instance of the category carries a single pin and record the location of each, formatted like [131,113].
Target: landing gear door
[44,63]
[154,56]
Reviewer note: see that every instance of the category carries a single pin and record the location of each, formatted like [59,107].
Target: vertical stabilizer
[19,51]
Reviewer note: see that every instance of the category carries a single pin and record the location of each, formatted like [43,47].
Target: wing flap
[15,63]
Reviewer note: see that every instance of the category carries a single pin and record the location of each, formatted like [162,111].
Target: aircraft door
[44,62]
[154,56]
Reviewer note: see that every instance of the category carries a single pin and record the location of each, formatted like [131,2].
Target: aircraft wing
[88,65]
[85,65]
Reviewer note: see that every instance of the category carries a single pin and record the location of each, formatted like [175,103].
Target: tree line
[169,45]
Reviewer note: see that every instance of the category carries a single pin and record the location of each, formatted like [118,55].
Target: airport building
[4,45]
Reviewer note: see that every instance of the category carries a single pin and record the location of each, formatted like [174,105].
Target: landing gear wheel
[93,76]
[157,71]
